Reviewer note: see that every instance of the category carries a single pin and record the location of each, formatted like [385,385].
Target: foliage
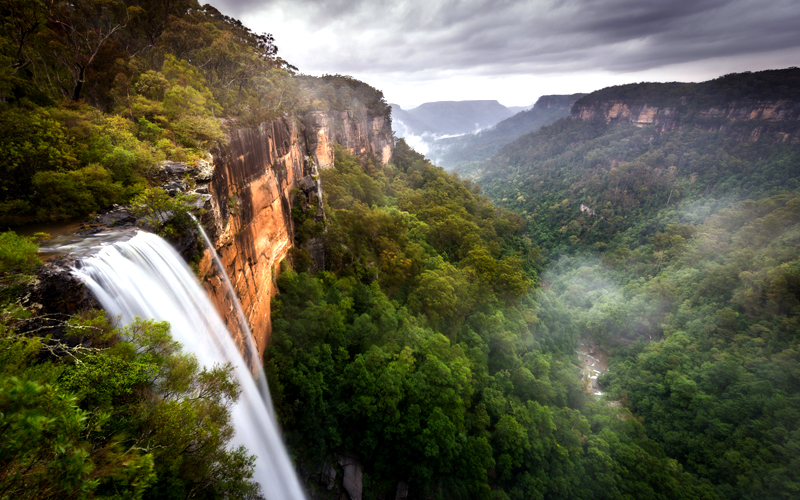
[168,215]
[94,94]
[770,85]
[675,248]
[421,351]
[19,259]
[128,419]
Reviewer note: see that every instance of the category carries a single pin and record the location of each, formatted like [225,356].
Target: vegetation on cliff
[95,93]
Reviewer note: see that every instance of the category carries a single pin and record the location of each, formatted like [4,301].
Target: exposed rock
[175,186]
[249,214]
[669,117]
[308,184]
[353,473]
[328,475]
[364,137]
[201,200]
[402,491]
[118,218]
[204,171]
[56,290]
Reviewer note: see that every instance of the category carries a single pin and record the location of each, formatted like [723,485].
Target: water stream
[251,351]
[146,277]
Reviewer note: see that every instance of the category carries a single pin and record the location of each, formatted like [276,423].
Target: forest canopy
[94,94]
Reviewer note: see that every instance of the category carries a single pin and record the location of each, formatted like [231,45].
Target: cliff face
[363,137]
[250,219]
[665,117]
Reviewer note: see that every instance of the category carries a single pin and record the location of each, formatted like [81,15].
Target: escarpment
[771,113]
[744,105]
[252,191]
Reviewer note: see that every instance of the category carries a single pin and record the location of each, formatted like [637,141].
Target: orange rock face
[250,221]
[666,118]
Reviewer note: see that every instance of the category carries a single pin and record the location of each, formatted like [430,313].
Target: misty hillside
[449,117]
[451,152]
[670,217]
[405,124]
[518,109]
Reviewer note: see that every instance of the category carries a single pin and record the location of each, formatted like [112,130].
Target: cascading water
[146,277]
[251,351]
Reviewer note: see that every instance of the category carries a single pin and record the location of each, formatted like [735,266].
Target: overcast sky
[419,51]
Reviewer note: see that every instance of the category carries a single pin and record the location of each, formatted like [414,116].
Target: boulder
[353,472]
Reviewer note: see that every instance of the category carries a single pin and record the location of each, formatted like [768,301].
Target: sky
[513,51]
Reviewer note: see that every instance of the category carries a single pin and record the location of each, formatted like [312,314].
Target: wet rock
[57,291]
[118,217]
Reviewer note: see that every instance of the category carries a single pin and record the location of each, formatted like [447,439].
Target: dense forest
[427,350]
[676,249]
[435,342]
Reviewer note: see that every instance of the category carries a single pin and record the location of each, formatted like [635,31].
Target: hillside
[86,125]
[406,124]
[460,117]
[452,152]
[668,213]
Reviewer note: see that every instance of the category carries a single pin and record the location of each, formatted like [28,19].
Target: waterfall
[146,277]
[251,351]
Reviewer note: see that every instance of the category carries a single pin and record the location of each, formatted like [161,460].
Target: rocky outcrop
[353,474]
[55,290]
[743,105]
[363,137]
[256,178]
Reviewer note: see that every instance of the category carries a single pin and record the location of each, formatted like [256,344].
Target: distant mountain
[460,117]
[404,123]
[423,125]
[448,117]
[518,109]
[454,151]
[629,151]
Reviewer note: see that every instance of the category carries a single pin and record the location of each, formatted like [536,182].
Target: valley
[270,284]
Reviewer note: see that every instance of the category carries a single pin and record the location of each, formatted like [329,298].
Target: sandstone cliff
[251,198]
[667,117]
[745,104]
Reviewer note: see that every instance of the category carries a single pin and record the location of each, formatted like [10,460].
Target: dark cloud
[492,37]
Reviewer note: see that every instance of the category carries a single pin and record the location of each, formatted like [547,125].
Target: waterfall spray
[146,277]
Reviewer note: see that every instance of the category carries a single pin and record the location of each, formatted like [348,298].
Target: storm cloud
[518,44]
[501,37]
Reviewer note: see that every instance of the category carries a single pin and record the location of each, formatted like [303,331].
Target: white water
[146,277]
[251,351]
